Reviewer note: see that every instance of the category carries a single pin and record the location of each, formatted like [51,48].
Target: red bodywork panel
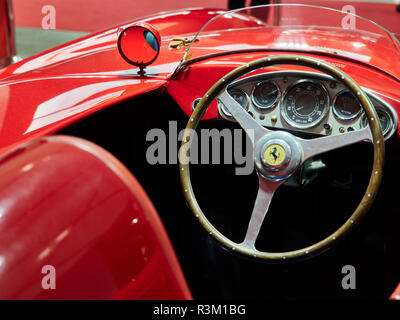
[67,203]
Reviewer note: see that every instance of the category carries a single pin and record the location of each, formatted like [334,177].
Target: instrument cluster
[306,102]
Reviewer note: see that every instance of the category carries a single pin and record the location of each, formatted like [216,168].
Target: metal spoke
[320,145]
[246,121]
[265,193]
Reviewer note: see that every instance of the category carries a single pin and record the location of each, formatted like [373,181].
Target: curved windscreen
[298,28]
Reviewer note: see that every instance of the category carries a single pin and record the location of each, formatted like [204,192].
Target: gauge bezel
[271,105]
[313,124]
[223,110]
[387,109]
[387,114]
[336,113]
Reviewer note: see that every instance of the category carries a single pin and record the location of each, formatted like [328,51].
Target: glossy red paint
[168,24]
[55,103]
[68,203]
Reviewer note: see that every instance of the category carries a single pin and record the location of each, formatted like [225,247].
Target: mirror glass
[139,45]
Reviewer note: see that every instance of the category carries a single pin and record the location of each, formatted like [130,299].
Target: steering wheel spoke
[321,145]
[265,193]
[246,121]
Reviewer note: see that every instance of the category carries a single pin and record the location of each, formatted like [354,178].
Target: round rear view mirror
[139,44]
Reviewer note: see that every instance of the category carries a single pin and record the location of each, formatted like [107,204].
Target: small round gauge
[195,103]
[384,118]
[240,96]
[265,95]
[346,107]
[305,105]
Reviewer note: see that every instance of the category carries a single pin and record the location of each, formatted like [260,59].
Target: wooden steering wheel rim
[376,173]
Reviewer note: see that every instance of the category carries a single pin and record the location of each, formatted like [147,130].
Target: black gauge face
[265,95]
[346,107]
[305,104]
[385,120]
[240,96]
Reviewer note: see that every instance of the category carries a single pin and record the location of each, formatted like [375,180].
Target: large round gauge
[240,96]
[306,104]
[265,95]
[346,107]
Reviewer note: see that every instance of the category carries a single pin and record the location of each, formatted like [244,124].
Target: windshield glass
[298,28]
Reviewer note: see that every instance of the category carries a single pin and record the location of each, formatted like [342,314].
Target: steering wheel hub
[277,155]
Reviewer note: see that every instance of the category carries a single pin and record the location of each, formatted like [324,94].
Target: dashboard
[306,102]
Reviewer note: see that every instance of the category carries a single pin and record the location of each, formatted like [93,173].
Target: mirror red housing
[139,44]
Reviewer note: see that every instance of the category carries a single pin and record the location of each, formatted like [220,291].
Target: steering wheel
[293,151]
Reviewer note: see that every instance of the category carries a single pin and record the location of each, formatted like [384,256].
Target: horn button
[277,155]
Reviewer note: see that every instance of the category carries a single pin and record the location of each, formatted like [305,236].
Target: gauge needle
[299,108]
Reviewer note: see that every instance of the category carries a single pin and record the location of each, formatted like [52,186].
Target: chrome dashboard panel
[330,121]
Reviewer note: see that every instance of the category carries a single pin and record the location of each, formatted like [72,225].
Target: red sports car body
[74,124]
